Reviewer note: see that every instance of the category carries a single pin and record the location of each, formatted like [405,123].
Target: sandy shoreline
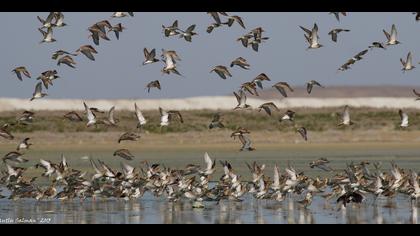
[211,103]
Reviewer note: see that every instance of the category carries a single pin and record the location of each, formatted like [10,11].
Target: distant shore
[210,103]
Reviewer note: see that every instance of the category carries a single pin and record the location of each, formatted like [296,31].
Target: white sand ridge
[197,103]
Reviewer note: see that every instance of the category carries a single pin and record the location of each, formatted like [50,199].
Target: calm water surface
[151,210]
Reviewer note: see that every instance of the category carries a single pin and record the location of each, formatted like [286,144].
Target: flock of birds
[192,182]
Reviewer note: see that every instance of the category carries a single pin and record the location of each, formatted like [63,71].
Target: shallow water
[150,210]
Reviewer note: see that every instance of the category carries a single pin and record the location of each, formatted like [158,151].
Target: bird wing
[393,33]
[238,98]
[208,161]
[309,87]
[88,54]
[284,84]
[216,117]
[409,59]
[190,29]
[242,97]
[307,31]
[314,33]
[416,93]
[415,182]
[362,53]
[152,53]
[177,113]
[276,176]
[38,88]
[395,172]
[333,36]
[45,164]
[262,185]
[170,63]
[303,133]
[324,167]
[26,73]
[346,114]
[266,109]
[387,35]
[404,118]
[239,20]
[164,116]
[111,115]
[127,169]
[139,115]
[90,115]
[221,74]
[95,167]
[50,17]
[291,173]
[281,90]
[216,17]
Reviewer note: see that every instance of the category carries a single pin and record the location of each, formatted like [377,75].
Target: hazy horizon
[117,71]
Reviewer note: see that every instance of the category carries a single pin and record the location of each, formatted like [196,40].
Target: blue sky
[117,71]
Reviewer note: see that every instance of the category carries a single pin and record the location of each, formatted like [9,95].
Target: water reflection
[151,210]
